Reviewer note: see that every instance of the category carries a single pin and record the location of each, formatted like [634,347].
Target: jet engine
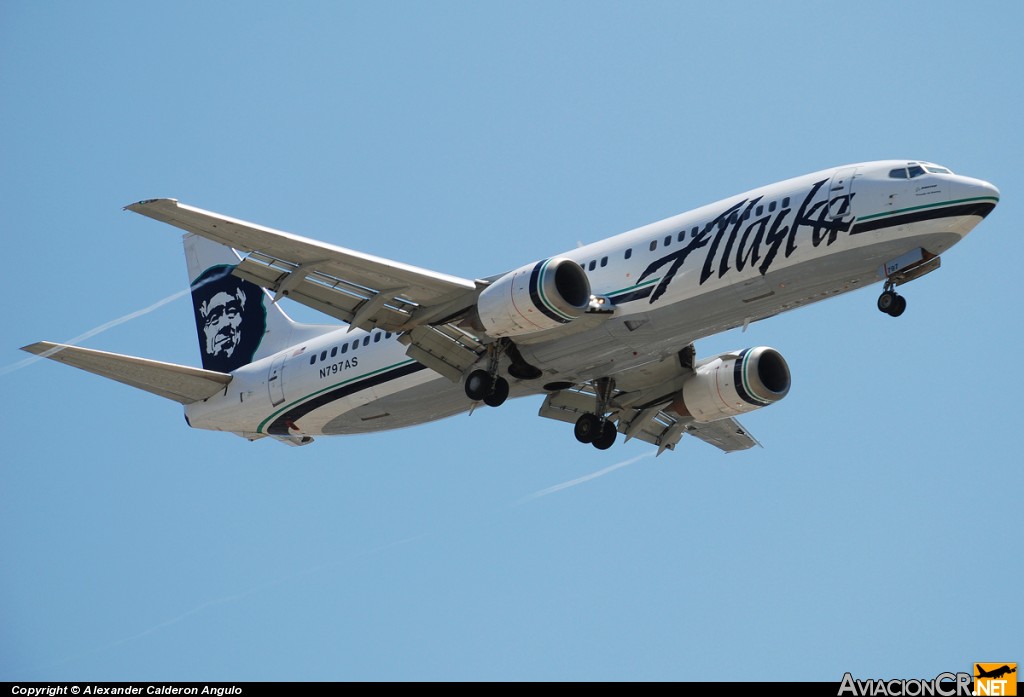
[732,384]
[539,296]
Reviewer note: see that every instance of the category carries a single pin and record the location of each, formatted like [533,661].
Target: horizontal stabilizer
[178,382]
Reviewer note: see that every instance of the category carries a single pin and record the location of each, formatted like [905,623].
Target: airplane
[605,332]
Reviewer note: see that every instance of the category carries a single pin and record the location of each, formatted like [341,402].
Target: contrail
[580,480]
[97,330]
[234,597]
[229,599]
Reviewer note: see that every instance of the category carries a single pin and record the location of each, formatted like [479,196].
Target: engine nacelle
[734,383]
[539,296]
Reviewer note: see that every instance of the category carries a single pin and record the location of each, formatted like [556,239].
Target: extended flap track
[446,349]
[286,278]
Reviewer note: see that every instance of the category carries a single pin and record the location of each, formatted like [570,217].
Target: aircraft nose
[977,190]
[990,190]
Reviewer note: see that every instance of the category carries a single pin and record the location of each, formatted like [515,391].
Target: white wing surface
[363,290]
[178,382]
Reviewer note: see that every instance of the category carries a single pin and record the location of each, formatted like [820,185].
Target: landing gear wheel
[478,385]
[606,437]
[900,307]
[587,427]
[887,301]
[499,394]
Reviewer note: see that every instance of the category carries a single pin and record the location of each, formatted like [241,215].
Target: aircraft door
[275,380]
[840,193]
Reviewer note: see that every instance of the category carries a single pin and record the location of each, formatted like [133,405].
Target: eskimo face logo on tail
[230,318]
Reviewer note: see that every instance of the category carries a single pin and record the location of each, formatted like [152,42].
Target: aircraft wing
[178,382]
[363,290]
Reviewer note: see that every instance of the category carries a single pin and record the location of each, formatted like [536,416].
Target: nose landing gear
[890,302]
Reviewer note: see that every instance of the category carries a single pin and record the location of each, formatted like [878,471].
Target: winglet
[139,206]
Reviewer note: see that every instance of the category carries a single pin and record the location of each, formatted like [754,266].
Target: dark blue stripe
[280,425]
[980,209]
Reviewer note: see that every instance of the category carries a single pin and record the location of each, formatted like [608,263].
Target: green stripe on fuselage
[928,205]
[629,288]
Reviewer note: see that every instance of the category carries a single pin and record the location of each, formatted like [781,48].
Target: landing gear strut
[890,302]
[595,428]
[486,385]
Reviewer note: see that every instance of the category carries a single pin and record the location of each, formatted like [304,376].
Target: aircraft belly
[436,399]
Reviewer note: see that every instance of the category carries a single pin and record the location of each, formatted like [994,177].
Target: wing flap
[314,273]
[651,423]
[356,304]
[726,435]
[181,383]
[445,349]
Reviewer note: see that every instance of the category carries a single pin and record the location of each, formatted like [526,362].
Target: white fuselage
[721,266]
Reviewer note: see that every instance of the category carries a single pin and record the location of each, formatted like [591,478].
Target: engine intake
[538,296]
[733,384]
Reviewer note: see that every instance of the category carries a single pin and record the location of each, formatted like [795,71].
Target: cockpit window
[915,169]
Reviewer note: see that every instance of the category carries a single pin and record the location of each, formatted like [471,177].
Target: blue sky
[877,532]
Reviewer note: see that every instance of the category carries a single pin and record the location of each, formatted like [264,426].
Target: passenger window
[654,245]
[323,355]
[629,253]
[604,262]
[916,171]
[668,240]
[344,348]
[771,207]
[376,337]
[366,340]
[898,173]
[785,202]
[334,351]
[681,236]
[592,265]
[760,210]
[693,232]
[312,359]
[387,335]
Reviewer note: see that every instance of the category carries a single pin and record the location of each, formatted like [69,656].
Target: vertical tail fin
[236,321]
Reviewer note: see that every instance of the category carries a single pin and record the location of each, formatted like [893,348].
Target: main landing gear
[492,390]
[595,428]
[486,385]
[890,302]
